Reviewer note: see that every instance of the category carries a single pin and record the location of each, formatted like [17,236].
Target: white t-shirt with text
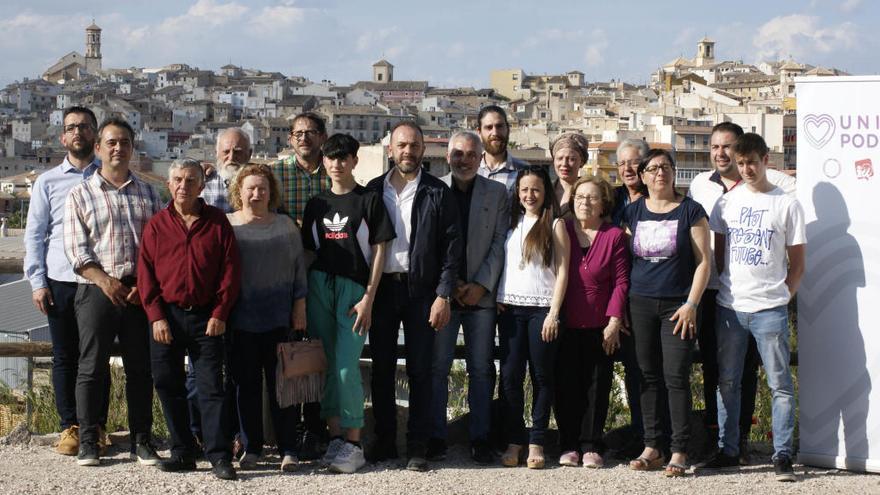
[757,227]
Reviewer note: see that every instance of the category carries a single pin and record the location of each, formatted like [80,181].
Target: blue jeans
[479,341]
[770,329]
[520,342]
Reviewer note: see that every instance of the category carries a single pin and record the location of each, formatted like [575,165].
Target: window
[379,76]
[515,77]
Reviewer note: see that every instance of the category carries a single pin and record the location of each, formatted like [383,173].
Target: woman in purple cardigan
[593,312]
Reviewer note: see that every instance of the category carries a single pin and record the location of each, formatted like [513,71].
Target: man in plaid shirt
[233,150]
[497,163]
[302,175]
[104,218]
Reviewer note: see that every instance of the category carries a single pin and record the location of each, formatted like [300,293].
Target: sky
[448,42]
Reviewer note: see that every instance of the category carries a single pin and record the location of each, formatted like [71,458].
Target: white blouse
[525,283]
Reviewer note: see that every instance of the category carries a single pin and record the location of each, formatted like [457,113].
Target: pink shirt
[598,281]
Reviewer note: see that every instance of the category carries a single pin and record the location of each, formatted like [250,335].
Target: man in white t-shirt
[707,188]
[761,230]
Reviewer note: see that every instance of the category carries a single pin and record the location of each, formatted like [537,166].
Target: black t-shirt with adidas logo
[342,228]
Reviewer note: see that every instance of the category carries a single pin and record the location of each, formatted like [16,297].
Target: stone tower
[93,48]
[383,71]
[705,52]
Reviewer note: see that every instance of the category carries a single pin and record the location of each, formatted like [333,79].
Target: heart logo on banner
[818,129]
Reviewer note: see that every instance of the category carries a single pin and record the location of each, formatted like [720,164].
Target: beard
[496,147]
[82,151]
[408,166]
[227,172]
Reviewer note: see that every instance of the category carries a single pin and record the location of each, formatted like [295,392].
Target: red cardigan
[598,281]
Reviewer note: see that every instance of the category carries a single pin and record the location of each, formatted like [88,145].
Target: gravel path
[37,469]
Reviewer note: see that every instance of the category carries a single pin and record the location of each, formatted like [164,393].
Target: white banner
[838,148]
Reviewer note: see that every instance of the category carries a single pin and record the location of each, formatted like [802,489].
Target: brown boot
[68,444]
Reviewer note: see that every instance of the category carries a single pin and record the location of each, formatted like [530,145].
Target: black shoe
[177,464]
[382,450]
[719,461]
[481,453]
[145,454]
[88,454]
[309,450]
[223,470]
[745,457]
[417,464]
[784,471]
[436,450]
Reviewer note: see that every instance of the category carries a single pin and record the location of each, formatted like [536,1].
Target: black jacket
[435,242]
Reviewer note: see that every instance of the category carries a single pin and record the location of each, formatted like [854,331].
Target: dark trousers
[392,307]
[583,386]
[229,401]
[632,381]
[254,356]
[708,344]
[520,343]
[188,336]
[65,354]
[192,402]
[100,322]
[665,360]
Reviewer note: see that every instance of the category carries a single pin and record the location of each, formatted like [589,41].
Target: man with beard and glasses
[497,163]
[301,177]
[233,150]
[707,188]
[417,285]
[50,273]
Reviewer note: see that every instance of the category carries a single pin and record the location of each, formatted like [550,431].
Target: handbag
[299,376]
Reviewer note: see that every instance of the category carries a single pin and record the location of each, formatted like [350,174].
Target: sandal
[675,470]
[511,456]
[536,457]
[645,464]
[593,460]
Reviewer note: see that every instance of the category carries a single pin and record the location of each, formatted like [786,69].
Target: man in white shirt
[707,188]
[760,233]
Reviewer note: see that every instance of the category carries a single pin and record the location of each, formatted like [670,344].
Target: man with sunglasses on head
[50,273]
[300,177]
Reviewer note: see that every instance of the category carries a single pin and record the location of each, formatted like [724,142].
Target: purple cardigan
[598,282]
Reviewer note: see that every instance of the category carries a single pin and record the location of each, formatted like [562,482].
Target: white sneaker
[248,461]
[289,463]
[349,459]
[332,451]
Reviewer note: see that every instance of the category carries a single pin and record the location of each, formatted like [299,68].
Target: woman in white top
[530,294]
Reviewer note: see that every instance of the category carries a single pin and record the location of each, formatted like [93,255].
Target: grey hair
[188,163]
[236,130]
[638,144]
[471,136]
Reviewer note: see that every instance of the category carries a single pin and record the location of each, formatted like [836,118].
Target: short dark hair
[750,143]
[315,118]
[730,127]
[407,123]
[83,110]
[340,146]
[118,122]
[654,153]
[491,109]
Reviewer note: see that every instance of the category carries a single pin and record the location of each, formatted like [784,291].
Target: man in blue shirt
[48,270]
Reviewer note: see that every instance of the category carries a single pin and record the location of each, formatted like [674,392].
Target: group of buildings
[178,110]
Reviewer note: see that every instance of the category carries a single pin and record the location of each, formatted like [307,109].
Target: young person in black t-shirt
[347,228]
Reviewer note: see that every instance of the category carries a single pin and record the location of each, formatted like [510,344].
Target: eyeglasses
[665,167]
[580,198]
[71,128]
[310,133]
[628,163]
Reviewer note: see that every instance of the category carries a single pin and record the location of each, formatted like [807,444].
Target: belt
[191,308]
[397,276]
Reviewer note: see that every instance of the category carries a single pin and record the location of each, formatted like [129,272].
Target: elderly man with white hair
[189,276]
[233,150]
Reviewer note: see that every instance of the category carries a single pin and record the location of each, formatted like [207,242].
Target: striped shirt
[216,193]
[298,186]
[504,173]
[103,224]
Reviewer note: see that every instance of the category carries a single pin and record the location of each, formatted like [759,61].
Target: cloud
[203,14]
[594,54]
[277,18]
[801,36]
[849,5]
[685,37]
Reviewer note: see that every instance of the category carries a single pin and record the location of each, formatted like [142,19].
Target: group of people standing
[574,273]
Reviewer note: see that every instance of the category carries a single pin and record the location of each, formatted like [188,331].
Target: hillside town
[178,110]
